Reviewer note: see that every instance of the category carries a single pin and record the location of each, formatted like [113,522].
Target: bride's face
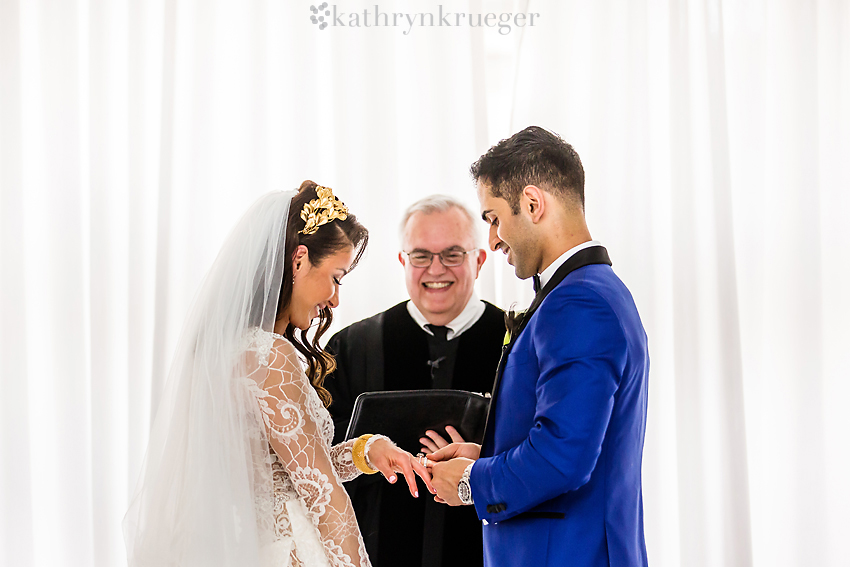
[316,285]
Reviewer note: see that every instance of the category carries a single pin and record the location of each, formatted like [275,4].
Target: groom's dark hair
[534,156]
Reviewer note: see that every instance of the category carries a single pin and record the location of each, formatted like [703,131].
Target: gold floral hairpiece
[322,210]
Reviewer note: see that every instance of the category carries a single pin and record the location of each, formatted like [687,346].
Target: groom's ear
[532,202]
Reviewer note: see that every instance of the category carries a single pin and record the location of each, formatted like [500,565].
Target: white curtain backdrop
[715,136]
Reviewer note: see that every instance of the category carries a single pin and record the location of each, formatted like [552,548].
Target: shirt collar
[467,318]
[547,274]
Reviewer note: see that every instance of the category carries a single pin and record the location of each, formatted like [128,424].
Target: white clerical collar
[468,317]
[547,274]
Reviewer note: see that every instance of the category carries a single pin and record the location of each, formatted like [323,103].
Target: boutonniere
[513,319]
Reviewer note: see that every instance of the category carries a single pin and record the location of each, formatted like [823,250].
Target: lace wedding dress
[313,520]
[239,469]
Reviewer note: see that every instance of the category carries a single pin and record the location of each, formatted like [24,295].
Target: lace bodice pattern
[300,459]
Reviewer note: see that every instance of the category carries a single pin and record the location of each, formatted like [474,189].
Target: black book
[405,415]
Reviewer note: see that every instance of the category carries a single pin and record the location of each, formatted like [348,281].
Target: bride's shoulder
[273,350]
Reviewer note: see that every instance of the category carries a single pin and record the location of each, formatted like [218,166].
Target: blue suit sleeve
[581,353]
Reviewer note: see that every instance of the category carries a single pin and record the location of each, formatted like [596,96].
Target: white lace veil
[195,502]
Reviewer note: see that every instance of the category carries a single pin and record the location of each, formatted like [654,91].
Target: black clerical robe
[391,352]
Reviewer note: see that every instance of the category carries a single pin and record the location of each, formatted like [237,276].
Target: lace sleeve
[344,465]
[298,441]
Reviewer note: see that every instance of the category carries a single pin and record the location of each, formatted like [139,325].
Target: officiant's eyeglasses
[450,257]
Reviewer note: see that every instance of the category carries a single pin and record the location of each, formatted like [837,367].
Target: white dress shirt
[547,274]
[468,317]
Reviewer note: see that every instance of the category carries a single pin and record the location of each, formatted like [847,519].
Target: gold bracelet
[358,455]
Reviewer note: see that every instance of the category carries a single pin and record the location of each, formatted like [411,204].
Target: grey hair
[438,204]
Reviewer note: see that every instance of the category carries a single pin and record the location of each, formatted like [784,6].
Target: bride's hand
[389,459]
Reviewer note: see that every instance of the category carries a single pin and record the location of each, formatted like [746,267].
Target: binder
[405,415]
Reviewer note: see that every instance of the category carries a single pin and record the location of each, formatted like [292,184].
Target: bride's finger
[423,472]
[404,463]
[388,473]
[385,467]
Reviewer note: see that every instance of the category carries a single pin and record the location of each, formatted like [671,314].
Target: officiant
[443,337]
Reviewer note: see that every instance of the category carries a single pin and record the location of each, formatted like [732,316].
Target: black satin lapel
[582,258]
[499,371]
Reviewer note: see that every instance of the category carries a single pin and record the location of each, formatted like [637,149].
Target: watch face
[464,491]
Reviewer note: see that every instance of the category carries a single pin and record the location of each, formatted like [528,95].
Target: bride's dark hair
[327,240]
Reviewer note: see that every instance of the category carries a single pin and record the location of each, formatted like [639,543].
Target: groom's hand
[444,478]
[455,450]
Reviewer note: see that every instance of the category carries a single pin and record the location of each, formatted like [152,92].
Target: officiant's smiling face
[441,292]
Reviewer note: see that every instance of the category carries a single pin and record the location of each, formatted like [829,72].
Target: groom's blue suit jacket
[559,478]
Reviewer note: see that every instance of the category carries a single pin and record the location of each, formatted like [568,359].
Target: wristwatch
[464,491]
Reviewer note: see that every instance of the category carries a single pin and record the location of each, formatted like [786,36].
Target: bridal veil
[195,500]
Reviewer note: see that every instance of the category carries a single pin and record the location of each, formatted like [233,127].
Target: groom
[557,480]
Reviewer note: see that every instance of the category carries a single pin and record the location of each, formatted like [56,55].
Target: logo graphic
[317,17]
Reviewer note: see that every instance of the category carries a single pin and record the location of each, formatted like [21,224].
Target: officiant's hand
[433,441]
[389,459]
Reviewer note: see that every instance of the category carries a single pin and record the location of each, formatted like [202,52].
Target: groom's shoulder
[592,288]
[591,295]
[594,282]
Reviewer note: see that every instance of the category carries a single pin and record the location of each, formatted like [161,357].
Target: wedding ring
[425,461]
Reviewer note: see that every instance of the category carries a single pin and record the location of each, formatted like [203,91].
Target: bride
[240,470]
